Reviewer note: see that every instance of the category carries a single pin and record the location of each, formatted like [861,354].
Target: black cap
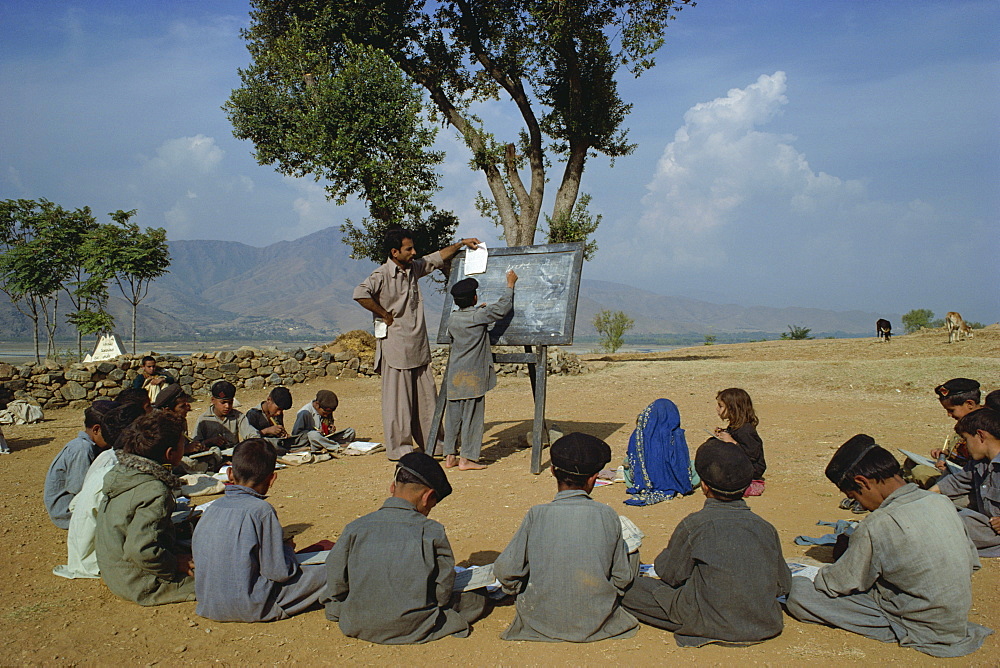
[848,456]
[428,471]
[282,398]
[581,454]
[466,286]
[956,386]
[223,389]
[327,400]
[168,395]
[724,467]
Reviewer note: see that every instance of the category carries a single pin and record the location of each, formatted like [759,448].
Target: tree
[33,262]
[130,256]
[917,318]
[611,326]
[300,106]
[796,333]
[555,61]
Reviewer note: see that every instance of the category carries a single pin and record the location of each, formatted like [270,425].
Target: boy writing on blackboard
[470,370]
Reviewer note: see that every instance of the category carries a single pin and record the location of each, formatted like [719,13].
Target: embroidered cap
[956,386]
[223,389]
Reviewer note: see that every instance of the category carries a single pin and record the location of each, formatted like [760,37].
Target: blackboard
[544,298]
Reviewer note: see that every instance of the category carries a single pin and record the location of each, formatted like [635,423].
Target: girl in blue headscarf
[658,456]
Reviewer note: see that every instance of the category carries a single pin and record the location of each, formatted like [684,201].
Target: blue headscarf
[658,455]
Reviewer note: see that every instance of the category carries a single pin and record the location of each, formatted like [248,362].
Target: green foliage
[611,327]
[555,62]
[434,233]
[917,318]
[710,339]
[796,333]
[974,325]
[121,251]
[575,226]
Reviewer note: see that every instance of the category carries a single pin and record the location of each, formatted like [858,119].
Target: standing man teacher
[403,356]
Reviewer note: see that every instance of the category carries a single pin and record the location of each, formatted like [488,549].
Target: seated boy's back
[567,563]
[390,574]
[246,572]
[69,468]
[720,576]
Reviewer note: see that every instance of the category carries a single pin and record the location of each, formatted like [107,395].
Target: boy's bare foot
[469,465]
[450,461]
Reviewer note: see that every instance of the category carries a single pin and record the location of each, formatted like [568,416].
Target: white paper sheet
[475,260]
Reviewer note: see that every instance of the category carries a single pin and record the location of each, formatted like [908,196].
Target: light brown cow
[956,327]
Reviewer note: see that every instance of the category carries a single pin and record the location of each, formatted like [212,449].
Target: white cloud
[188,156]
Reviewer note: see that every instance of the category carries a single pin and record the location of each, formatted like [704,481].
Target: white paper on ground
[309,558]
[362,446]
[474,577]
[475,260]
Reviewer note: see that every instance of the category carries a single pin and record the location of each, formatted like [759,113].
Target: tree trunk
[570,186]
[34,332]
[135,306]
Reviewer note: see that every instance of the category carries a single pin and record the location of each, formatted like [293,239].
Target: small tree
[611,326]
[917,318]
[796,333]
[710,339]
[132,257]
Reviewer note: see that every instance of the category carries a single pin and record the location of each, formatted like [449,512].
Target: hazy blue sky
[836,154]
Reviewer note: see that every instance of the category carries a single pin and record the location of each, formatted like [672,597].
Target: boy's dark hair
[957,391]
[993,401]
[404,477]
[132,395]
[253,461]
[461,301]
[152,434]
[394,239]
[281,397]
[571,480]
[986,419]
[147,358]
[117,420]
[93,414]
[860,456]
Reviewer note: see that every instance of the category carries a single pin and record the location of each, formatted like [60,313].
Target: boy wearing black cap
[906,574]
[221,425]
[958,397]
[268,418]
[722,571]
[568,564]
[470,370]
[977,487]
[390,574]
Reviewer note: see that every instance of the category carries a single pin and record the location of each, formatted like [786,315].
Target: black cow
[883,329]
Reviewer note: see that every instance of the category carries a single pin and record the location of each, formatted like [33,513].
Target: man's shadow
[18,444]
[517,435]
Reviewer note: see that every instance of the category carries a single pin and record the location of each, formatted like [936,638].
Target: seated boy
[390,574]
[906,575]
[720,576]
[221,425]
[69,468]
[315,419]
[978,486]
[567,563]
[470,370]
[80,551]
[958,397]
[246,572]
[269,418]
[151,378]
[137,552]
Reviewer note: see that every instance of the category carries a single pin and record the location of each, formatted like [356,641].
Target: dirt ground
[810,395]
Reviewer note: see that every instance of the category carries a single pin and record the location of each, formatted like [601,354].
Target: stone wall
[52,386]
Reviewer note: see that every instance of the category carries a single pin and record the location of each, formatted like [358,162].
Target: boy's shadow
[821,553]
[517,434]
[17,444]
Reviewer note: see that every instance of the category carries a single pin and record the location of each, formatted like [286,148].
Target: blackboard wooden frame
[567,260]
[547,291]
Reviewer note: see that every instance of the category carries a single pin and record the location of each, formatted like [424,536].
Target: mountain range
[302,290]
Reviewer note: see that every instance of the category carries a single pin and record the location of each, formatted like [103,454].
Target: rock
[79,375]
[265,370]
[16,385]
[245,353]
[354,363]
[229,368]
[334,368]
[42,393]
[344,356]
[349,373]
[255,383]
[299,378]
[279,368]
[299,354]
[75,405]
[274,379]
[116,375]
[6,371]
[225,356]
[291,366]
[106,367]
[72,391]
[212,374]
[246,373]
[326,357]
[185,380]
